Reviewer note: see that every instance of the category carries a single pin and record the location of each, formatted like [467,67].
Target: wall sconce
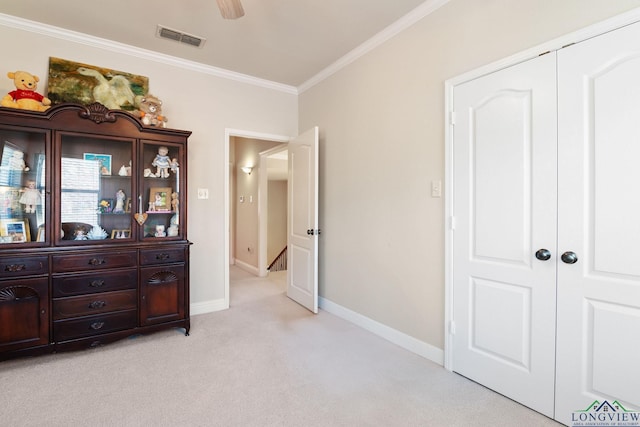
[247,169]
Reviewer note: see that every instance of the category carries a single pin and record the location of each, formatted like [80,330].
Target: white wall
[382,144]
[194,99]
[276,219]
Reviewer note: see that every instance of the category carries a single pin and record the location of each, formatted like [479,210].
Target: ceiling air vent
[190,39]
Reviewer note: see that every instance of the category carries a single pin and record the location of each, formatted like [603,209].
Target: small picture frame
[105,205]
[127,205]
[15,231]
[40,237]
[121,233]
[103,159]
[159,199]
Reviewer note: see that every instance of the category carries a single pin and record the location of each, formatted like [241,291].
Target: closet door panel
[505,211]
[599,220]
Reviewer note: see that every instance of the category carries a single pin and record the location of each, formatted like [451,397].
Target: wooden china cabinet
[93,232]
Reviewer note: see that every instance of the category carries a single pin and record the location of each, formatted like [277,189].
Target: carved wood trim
[162,277]
[15,293]
[97,113]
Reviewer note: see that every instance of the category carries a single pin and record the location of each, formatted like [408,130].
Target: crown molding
[426,8]
[85,39]
[618,21]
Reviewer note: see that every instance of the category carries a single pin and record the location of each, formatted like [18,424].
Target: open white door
[302,277]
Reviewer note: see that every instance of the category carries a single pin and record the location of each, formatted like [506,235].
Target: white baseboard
[400,339]
[403,340]
[207,307]
[248,267]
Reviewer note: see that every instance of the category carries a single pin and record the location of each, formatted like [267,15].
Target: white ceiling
[284,41]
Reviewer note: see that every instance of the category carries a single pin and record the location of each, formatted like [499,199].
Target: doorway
[247,251]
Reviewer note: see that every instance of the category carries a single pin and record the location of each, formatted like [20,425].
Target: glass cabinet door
[161,191]
[95,189]
[23,187]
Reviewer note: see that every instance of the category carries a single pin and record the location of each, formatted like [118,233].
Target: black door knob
[543,254]
[569,257]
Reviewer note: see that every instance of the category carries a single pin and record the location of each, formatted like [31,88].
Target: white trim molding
[426,8]
[207,307]
[113,46]
[400,25]
[400,339]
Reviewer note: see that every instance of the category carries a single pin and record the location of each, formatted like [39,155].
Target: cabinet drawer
[65,286]
[93,325]
[161,256]
[23,266]
[88,305]
[94,261]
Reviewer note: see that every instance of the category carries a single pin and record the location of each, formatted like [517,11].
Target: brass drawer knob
[98,304]
[97,325]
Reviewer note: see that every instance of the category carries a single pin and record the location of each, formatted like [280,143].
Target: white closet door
[598,344]
[505,211]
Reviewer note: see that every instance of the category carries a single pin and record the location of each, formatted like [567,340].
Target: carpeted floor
[264,362]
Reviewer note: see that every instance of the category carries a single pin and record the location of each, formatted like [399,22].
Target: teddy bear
[25,96]
[150,112]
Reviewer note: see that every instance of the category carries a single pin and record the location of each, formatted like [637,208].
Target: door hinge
[452,118]
[452,327]
[452,223]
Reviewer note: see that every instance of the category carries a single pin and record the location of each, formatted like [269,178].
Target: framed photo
[40,237]
[15,231]
[103,159]
[105,205]
[80,83]
[159,199]
[127,205]
[124,233]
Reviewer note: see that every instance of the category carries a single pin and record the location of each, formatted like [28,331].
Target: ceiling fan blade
[230,9]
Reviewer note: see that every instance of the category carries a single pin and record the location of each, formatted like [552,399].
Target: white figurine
[162,163]
[160,231]
[30,197]
[120,196]
[16,162]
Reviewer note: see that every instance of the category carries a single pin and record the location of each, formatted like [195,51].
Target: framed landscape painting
[85,84]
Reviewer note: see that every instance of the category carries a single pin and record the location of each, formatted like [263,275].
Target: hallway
[244,286]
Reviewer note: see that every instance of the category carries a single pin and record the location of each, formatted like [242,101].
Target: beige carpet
[264,362]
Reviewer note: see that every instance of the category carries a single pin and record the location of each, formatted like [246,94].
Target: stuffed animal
[150,112]
[25,96]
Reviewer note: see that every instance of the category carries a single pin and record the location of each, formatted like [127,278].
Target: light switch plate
[436,188]
[203,193]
